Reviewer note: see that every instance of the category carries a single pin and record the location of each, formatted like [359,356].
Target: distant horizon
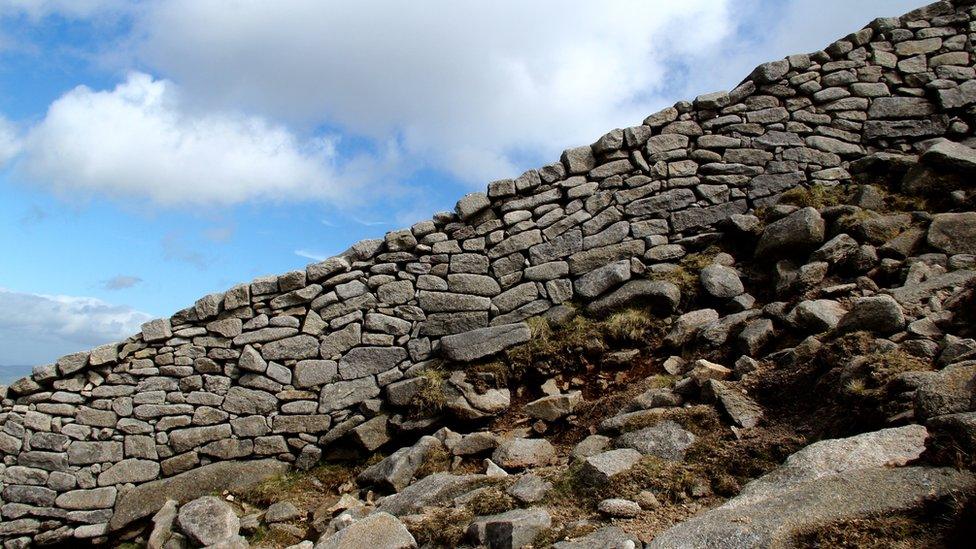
[12,372]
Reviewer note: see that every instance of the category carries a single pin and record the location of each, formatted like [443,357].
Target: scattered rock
[796,233]
[666,440]
[953,233]
[377,531]
[600,468]
[879,314]
[520,453]
[551,408]
[283,511]
[619,508]
[721,281]
[208,520]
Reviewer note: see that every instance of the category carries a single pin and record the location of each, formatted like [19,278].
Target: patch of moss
[816,196]
[491,501]
[442,527]
[629,325]
[437,460]
[869,375]
[266,537]
[558,345]
[431,398]
[300,485]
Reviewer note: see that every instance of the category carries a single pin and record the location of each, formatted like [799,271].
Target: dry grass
[491,501]
[816,196]
[558,344]
[442,527]
[629,325]
[437,460]
[431,399]
[300,486]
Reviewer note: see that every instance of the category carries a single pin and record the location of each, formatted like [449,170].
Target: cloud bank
[36,327]
[140,140]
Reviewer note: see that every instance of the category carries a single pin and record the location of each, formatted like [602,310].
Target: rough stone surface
[208,520]
[484,342]
[953,233]
[377,531]
[286,365]
[800,231]
[524,452]
[665,440]
[880,314]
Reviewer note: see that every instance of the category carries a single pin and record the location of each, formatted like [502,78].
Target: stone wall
[280,369]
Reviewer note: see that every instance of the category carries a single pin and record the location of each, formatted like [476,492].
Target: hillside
[746,322]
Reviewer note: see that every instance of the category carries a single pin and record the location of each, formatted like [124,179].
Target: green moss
[629,325]
[436,461]
[431,398]
[560,345]
[491,501]
[301,484]
[442,527]
[817,196]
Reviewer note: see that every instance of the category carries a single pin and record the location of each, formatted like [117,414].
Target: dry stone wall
[269,374]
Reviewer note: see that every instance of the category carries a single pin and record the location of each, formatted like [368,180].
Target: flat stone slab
[484,342]
[146,499]
[773,521]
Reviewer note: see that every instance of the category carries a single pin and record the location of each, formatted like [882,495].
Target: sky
[153,152]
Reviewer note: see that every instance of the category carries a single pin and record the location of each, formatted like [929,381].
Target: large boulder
[430,490]
[666,440]
[146,499]
[879,314]
[484,342]
[950,390]
[658,295]
[953,233]
[795,234]
[524,452]
[208,520]
[774,521]
[396,470]
[828,481]
[377,531]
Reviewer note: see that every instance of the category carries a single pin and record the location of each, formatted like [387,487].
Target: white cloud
[314,256]
[121,282]
[9,141]
[40,328]
[468,86]
[140,139]
[37,9]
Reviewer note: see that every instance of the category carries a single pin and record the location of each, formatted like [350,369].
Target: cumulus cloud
[39,328]
[314,256]
[37,9]
[467,86]
[141,140]
[10,142]
[121,282]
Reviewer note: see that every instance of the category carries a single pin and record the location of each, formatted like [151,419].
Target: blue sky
[154,152]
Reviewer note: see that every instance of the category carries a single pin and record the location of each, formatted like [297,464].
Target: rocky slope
[747,322]
[812,383]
